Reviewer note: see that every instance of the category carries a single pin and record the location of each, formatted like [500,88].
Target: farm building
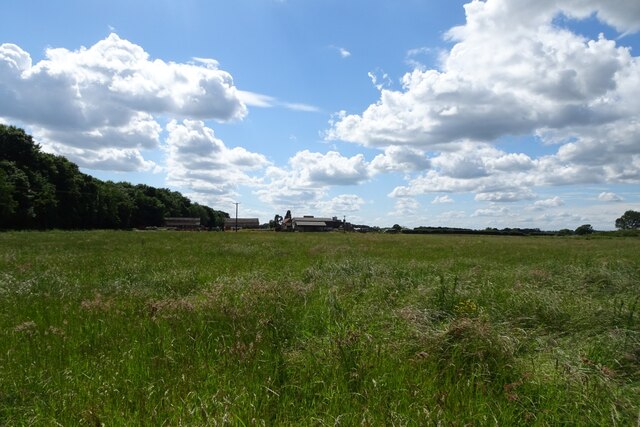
[246,223]
[182,223]
[311,223]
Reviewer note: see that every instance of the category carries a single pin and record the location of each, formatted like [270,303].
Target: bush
[584,229]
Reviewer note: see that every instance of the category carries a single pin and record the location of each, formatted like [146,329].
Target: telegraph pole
[236,216]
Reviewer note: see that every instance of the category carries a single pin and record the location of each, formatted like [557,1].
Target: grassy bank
[153,328]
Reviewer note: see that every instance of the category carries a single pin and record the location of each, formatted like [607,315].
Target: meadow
[261,328]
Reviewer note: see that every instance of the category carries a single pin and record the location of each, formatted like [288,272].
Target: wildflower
[466,308]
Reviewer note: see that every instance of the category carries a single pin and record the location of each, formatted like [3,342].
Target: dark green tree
[565,232]
[584,229]
[218,217]
[8,204]
[148,211]
[199,211]
[20,212]
[40,191]
[114,206]
[629,221]
[43,202]
[17,146]
[276,223]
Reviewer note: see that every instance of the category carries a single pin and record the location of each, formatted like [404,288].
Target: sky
[496,113]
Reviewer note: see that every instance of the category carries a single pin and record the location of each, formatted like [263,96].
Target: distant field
[258,328]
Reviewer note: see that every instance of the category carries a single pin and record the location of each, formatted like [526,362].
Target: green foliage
[159,328]
[8,204]
[584,229]
[43,191]
[629,221]
[276,222]
[17,146]
[446,296]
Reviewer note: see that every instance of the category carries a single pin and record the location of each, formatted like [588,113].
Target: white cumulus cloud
[609,197]
[442,199]
[343,52]
[513,70]
[103,101]
[500,78]
[332,168]
[505,196]
[304,183]
[203,164]
[400,159]
[406,207]
[342,204]
[491,212]
[478,168]
[549,203]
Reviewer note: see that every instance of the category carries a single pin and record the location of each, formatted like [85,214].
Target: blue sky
[496,113]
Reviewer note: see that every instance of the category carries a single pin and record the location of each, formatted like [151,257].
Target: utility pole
[236,216]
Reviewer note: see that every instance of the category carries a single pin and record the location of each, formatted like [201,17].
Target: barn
[242,223]
[182,223]
[310,223]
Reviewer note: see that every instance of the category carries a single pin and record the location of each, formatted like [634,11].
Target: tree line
[43,191]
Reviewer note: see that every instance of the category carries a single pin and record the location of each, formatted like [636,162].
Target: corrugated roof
[311,224]
[242,220]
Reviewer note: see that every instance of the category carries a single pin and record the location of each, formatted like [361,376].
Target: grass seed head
[28,328]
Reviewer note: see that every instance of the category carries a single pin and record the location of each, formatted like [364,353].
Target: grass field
[169,328]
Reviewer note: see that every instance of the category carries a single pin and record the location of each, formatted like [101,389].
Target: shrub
[584,229]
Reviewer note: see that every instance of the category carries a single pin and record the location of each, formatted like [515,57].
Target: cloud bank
[99,105]
[512,70]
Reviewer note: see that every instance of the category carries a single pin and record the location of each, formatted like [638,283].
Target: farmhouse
[182,223]
[247,223]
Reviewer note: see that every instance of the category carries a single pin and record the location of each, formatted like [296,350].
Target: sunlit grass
[152,328]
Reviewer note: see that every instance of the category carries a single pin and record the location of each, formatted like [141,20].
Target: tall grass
[167,328]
